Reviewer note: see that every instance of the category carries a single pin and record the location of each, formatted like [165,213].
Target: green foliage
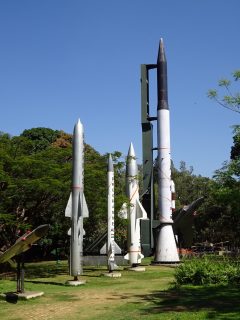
[36,168]
[205,271]
[189,187]
[230,100]
[41,138]
[235,150]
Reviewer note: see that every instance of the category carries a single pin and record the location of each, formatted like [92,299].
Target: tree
[189,186]
[222,223]
[41,138]
[36,167]
[235,150]
[230,100]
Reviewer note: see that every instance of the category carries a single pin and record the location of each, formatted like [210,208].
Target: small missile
[133,211]
[111,246]
[110,239]
[24,243]
[166,249]
[77,207]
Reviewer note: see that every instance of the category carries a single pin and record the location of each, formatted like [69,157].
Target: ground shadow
[37,271]
[221,302]
[11,297]
[45,282]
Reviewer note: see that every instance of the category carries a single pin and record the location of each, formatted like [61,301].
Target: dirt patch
[73,305]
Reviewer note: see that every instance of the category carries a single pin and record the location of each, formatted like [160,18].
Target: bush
[204,271]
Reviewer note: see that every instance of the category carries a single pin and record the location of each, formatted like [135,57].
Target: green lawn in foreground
[148,295]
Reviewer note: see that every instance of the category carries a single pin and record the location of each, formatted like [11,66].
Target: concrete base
[136,269]
[75,282]
[14,296]
[112,274]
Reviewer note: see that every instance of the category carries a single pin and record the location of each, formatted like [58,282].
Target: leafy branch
[229,101]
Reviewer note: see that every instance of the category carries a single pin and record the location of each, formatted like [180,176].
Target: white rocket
[166,249]
[77,207]
[111,246]
[133,211]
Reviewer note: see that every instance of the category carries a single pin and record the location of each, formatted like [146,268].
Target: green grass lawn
[146,295]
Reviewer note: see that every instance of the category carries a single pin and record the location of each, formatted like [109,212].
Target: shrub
[204,270]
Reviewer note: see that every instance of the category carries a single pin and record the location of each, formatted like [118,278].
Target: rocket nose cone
[131,165]
[79,123]
[78,127]
[161,51]
[131,152]
[110,163]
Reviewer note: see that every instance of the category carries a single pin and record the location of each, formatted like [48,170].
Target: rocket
[166,249]
[24,243]
[110,237]
[111,246]
[77,207]
[133,211]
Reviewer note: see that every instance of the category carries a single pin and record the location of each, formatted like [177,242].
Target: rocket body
[134,211]
[77,208]
[110,238]
[164,166]
[166,249]
[111,247]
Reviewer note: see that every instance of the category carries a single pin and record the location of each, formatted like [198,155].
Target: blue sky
[63,60]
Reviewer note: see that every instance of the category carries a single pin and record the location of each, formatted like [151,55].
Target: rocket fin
[123,212]
[103,250]
[140,257]
[141,213]
[117,249]
[69,232]
[68,210]
[84,213]
[85,208]
[126,257]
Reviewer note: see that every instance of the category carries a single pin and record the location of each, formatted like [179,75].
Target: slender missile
[111,246]
[110,239]
[77,207]
[24,243]
[166,249]
[134,211]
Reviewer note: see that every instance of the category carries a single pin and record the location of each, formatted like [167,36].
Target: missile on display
[77,207]
[111,246]
[110,237]
[166,248]
[24,243]
[133,211]
[183,220]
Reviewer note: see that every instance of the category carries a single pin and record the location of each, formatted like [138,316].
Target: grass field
[147,295]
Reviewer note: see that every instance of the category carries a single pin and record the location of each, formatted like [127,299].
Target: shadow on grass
[45,282]
[36,271]
[221,302]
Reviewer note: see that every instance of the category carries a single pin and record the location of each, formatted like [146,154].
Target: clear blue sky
[63,60]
